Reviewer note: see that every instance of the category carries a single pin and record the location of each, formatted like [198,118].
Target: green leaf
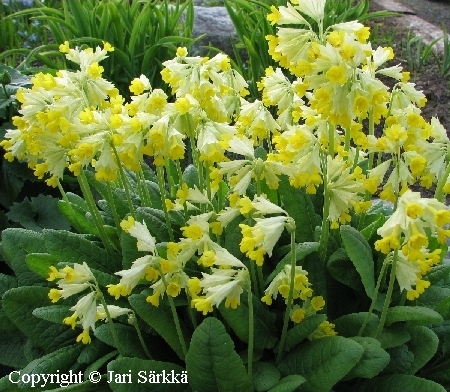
[288,384]
[301,331]
[19,304]
[211,360]
[98,363]
[190,176]
[372,228]
[12,349]
[350,324]
[147,375]
[78,217]
[159,318]
[127,336]
[341,269]
[16,244]
[74,248]
[237,320]
[323,362]
[373,361]
[398,383]
[61,360]
[52,313]
[416,315]
[93,351]
[433,297]
[360,253]
[401,359]
[40,263]
[444,308]
[38,213]
[129,250]
[423,344]
[265,376]
[393,336]
[438,273]
[7,282]
[299,206]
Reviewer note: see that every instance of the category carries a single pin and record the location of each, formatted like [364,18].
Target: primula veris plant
[226,240]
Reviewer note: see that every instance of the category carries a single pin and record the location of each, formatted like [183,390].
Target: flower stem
[176,320]
[387,300]
[323,246]
[374,299]
[162,191]
[98,221]
[124,182]
[145,193]
[133,321]
[110,322]
[289,299]
[250,335]
[439,194]
[113,207]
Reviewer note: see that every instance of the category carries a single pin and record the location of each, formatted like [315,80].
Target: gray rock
[215,23]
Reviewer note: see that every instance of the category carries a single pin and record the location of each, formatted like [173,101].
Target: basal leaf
[373,360]
[159,318]
[93,351]
[341,269]
[393,336]
[323,362]
[288,384]
[211,360]
[398,383]
[360,253]
[265,376]
[155,221]
[19,304]
[416,315]
[77,217]
[52,313]
[264,320]
[297,203]
[301,331]
[12,349]
[423,344]
[146,375]
[74,248]
[61,360]
[40,263]
[350,324]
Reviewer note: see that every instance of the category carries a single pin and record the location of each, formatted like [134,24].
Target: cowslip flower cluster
[406,231]
[74,280]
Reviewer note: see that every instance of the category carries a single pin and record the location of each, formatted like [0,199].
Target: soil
[428,79]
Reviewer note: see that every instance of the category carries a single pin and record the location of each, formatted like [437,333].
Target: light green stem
[176,320]
[98,220]
[289,300]
[113,207]
[250,335]
[323,246]
[162,191]
[139,333]
[374,299]
[331,132]
[439,194]
[108,317]
[145,193]
[124,182]
[387,300]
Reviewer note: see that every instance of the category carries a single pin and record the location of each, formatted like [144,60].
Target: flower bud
[5,77]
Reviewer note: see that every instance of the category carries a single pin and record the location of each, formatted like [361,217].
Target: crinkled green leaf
[341,269]
[93,351]
[212,363]
[7,282]
[372,362]
[40,263]
[52,313]
[62,360]
[433,297]
[129,250]
[398,383]
[265,376]
[74,248]
[144,376]
[190,176]
[360,253]
[297,203]
[423,344]
[38,213]
[401,359]
[17,243]
[393,336]
[160,319]
[77,217]
[417,315]
[19,304]
[350,324]
[438,273]
[302,330]
[237,320]
[288,384]
[12,349]
[323,362]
